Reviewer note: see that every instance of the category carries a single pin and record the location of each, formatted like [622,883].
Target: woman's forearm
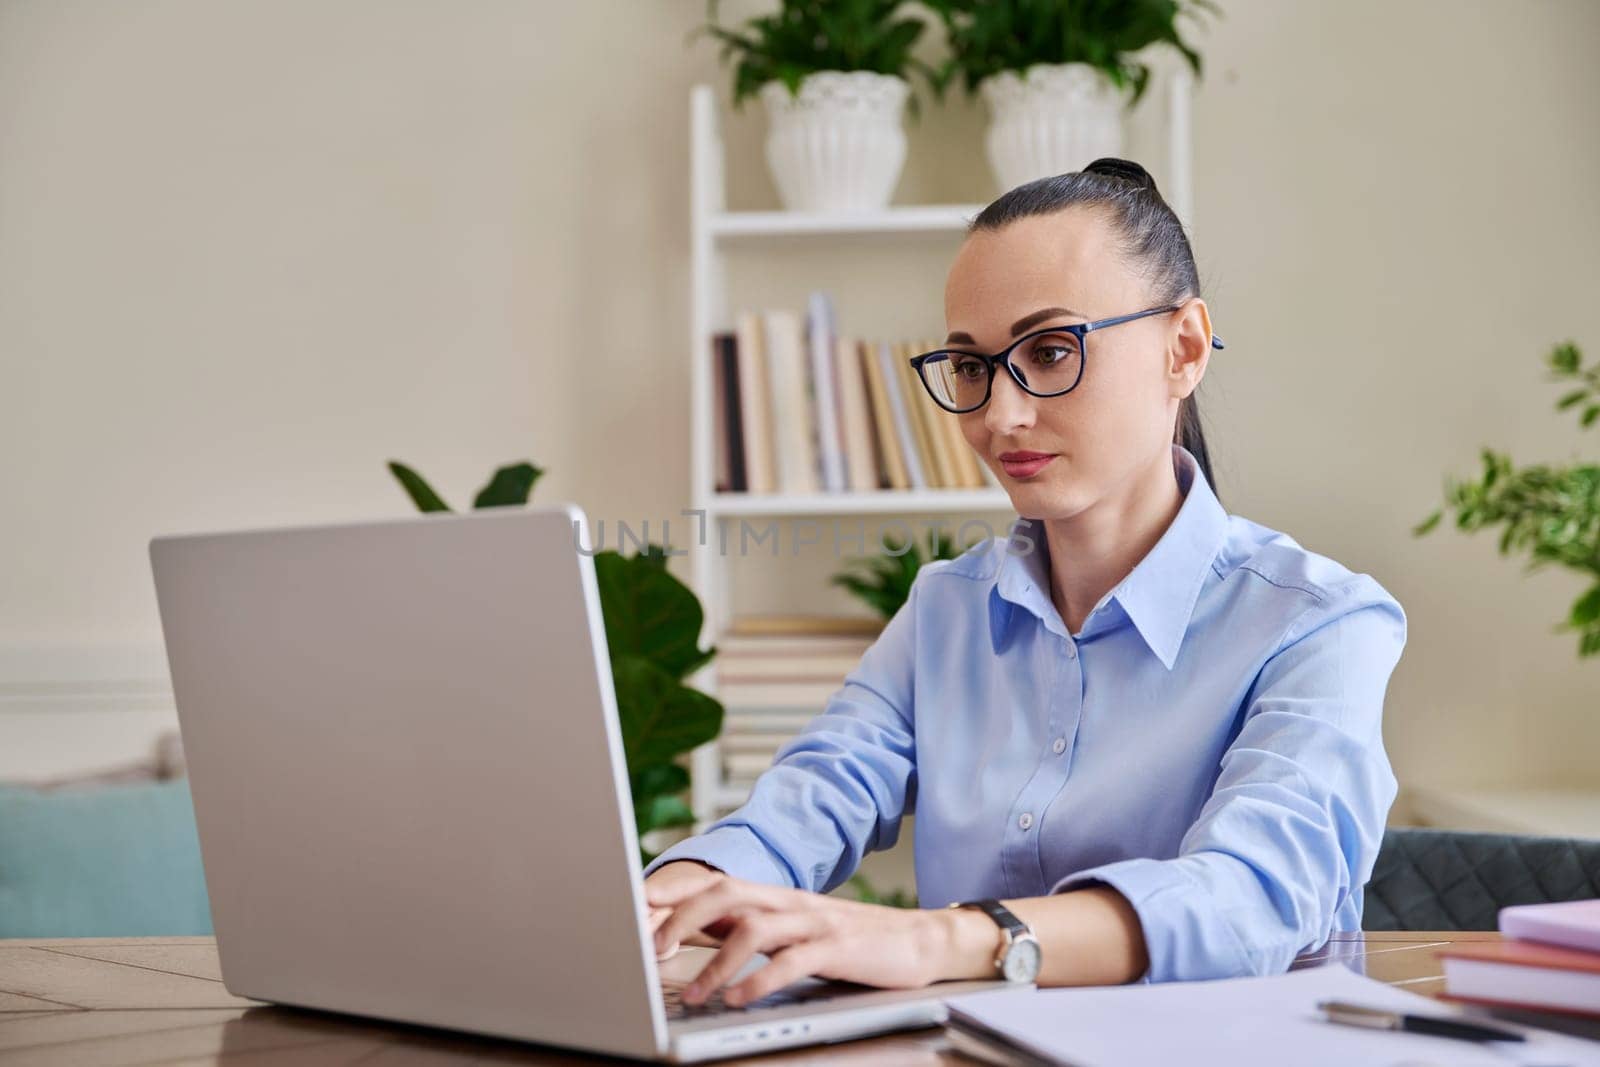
[1087,936]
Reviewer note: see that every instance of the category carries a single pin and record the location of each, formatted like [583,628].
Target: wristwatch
[1020,955]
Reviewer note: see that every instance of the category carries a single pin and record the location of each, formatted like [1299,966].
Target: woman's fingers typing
[710,908]
[787,965]
[760,931]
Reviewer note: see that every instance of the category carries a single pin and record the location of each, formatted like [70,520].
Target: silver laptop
[409,781]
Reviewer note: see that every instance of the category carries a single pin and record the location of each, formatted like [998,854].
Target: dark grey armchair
[1451,880]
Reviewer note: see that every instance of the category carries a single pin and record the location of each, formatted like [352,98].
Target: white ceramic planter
[1058,117]
[838,145]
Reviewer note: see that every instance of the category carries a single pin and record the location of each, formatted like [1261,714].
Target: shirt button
[1072,649]
[1060,746]
[1026,820]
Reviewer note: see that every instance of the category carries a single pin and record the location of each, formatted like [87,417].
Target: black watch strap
[1000,914]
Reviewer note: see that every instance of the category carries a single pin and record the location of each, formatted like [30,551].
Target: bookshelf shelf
[933,218]
[718,236]
[882,502]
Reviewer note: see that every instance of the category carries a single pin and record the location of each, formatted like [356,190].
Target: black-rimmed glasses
[1051,364]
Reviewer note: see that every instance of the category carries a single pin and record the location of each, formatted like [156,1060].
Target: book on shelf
[855,417]
[904,428]
[798,625]
[966,465]
[774,675]
[917,415]
[804,662]
[745,767]
[759,722]
[892,470]
[802,407]
[727,416]
[755,404]
[783,691]
[825,393]
[794,425]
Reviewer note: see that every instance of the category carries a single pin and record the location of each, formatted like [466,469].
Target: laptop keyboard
[672,995]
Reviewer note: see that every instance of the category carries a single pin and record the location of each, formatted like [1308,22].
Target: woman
[1149,728]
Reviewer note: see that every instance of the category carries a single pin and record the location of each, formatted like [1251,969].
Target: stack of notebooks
[774,675]
[802,408]
[1549,962]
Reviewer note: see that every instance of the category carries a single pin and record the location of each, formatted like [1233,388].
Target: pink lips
[1024,464]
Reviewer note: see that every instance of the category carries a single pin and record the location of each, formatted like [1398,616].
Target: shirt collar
[1158,595]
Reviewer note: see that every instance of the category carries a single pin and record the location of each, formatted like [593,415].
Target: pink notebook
[1573,923]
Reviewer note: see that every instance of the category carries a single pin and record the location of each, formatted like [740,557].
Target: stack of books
[802,408]
[1548,962]
[774,675]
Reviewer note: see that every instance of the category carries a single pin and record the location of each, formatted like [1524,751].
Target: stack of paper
[1238,1022]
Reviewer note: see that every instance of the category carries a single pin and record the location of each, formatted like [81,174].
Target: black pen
[1378,1019]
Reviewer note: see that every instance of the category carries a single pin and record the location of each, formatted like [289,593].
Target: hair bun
[1126,169]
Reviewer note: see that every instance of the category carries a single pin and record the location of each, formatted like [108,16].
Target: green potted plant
[1057,74]
[883,582]
[653,633]
[1551,513]
[832,77]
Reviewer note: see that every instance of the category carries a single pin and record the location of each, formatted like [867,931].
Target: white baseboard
[77,709]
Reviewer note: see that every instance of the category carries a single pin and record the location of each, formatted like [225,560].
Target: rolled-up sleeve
[1288,837]
[835,791]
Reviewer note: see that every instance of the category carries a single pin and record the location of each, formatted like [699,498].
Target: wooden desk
[161,1000]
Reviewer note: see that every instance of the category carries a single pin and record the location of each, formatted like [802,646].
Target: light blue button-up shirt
[1209,743]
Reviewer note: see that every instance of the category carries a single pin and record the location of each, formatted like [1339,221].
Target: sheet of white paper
[1240,1022]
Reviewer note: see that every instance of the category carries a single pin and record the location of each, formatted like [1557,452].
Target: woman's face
[1057,456]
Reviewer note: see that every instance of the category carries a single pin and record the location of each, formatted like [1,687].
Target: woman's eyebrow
[958,337]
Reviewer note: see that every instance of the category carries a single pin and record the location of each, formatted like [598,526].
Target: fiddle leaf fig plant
[510,486]
[653,626]
[805,36]
[1551,513]
[990,36]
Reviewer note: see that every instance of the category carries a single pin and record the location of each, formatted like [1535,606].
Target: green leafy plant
[884,581]
[1551,513]
[805,36]
[510,486]
[990,36]
[867,894]
[652,625]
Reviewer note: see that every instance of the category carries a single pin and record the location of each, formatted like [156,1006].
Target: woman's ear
[1190,351]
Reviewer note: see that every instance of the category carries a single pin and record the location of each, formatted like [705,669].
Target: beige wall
[250,251]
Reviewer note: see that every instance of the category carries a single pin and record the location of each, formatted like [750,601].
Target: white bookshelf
[727,226]
[714,233]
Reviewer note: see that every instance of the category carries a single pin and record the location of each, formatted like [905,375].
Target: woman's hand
[679,878]
[803,933]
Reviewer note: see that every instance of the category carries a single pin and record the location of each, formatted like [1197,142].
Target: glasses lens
[957,380]
[1050,363]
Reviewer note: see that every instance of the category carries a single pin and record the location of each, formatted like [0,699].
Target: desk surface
[137,1001]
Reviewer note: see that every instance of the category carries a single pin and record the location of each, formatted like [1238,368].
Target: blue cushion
[101,861]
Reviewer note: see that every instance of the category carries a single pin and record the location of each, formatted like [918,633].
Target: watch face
[1022,961]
